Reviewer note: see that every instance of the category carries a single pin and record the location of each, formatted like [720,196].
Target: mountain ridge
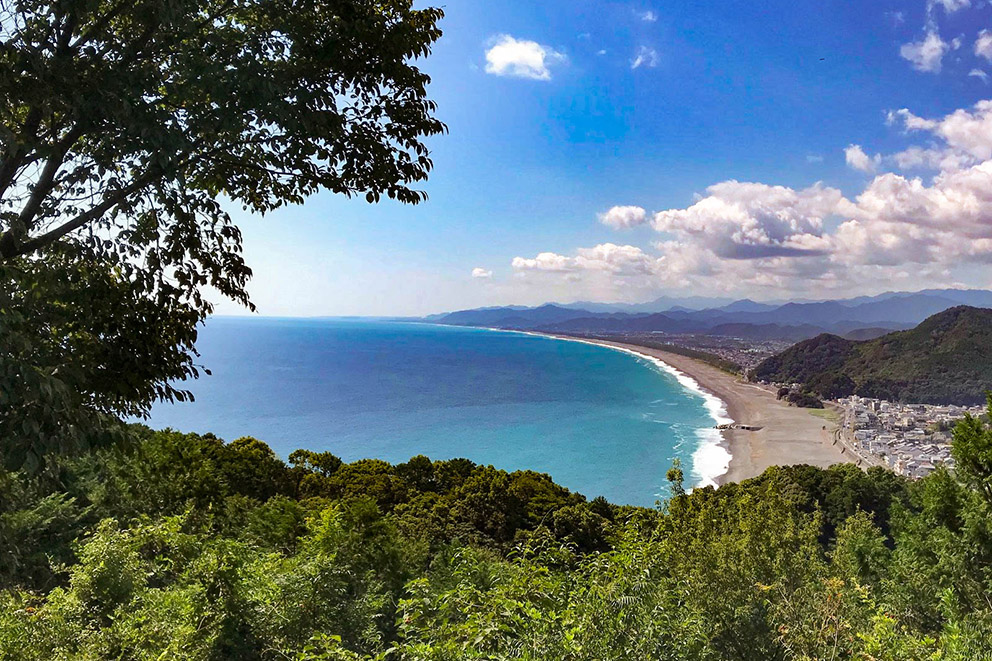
[790,321]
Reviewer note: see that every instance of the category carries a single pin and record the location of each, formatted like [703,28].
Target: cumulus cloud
[648,16]
[856,158]
[624,217]
[520,58]
[749,237]
[545,261]
[983,45]
[481,273]
[899,219]
[645,57]
[895,221]
[958,201]
[903,221]
[621,260]
[742,220]
[930,158]
[926,54]
[605,258]
[967,132]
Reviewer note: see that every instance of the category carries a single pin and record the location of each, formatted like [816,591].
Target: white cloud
[752,238]
[508,56]
[899,221]
[648,16]
[623,217]
[926,54]
[931,158]
[742,220]
[895,221]
[983,45]
[978,73]
[621,260]
[645,57]
[958,201]
[856,158]
[912,122]
[968,133]
[781,244]
[481,273]
[545,261]
[950,6]
[602,51]
[814,158]
[604,258]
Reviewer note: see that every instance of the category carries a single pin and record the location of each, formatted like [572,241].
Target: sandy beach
[788,435]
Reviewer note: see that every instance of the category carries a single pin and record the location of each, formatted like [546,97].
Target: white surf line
[711,460]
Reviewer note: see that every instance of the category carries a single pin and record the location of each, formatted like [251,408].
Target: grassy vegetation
[828,414]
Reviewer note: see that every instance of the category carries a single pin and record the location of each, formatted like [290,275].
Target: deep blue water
[599,421]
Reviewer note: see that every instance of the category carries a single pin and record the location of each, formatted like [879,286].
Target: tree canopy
[184,546]
[130,127]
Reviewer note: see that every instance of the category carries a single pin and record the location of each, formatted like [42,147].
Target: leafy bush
[187,547]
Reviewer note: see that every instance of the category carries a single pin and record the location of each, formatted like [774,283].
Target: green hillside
[944,360]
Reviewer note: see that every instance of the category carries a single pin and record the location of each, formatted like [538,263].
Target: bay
[599,421]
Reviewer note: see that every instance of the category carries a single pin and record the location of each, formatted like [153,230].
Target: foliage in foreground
[186,547]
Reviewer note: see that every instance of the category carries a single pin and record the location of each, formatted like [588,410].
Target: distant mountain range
[662,304]
[860,318]
[944,360]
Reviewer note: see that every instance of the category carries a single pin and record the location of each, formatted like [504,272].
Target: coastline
[788,435]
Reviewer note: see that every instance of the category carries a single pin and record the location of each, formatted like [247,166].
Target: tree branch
[102,22]
[9,248]
[15,158]
[46,181]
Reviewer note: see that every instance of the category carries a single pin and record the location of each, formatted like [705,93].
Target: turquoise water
[599,421]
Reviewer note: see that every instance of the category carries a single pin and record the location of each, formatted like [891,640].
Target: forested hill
[944,360]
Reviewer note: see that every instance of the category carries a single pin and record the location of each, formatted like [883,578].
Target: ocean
[599,421]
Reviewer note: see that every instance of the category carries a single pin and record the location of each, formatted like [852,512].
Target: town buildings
[910,439]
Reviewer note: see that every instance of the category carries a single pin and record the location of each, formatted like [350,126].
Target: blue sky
[560,111]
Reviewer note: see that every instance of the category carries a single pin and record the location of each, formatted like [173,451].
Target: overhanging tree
[127,127]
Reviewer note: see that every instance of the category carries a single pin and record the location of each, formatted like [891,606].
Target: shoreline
[788,435]
[711,459]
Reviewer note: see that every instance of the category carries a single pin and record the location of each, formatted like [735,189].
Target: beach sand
[788,435]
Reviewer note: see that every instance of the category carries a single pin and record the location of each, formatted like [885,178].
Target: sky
[620,151]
